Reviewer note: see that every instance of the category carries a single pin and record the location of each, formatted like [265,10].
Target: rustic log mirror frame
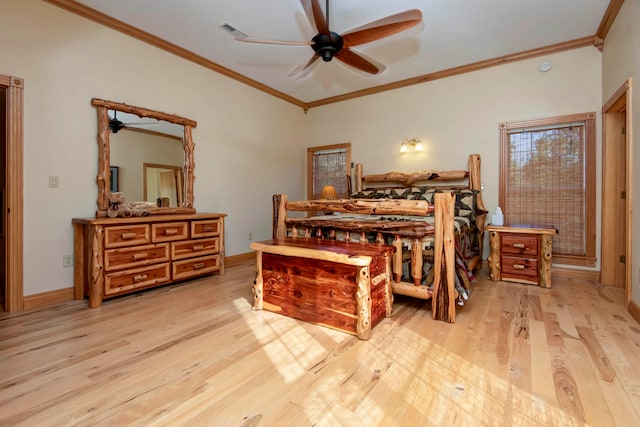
[104,161]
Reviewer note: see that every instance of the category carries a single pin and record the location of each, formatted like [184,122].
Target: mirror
[126,162]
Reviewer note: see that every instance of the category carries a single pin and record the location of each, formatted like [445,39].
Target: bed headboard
[436,179]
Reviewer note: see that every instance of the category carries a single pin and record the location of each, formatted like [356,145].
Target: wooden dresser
[115,256]
[521,253]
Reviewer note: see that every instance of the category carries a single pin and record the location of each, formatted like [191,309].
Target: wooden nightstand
[521,253]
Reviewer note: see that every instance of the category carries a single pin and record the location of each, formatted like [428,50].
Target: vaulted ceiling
[454,36]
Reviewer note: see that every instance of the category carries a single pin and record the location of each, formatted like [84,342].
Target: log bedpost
[443,300]
[358,177]
[475,183]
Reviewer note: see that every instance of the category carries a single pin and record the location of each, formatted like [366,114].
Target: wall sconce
[413,144]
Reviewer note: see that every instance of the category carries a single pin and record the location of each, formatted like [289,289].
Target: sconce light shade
[329,192]
[414,144]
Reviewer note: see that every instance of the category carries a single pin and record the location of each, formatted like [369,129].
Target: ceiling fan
[116,125]
[328,44]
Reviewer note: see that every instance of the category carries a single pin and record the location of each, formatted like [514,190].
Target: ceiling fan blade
[273,41]
[243,37]
[314,13]
[355,60]
[383,27]
[307,67]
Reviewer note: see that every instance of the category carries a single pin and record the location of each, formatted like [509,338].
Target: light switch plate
[53,181]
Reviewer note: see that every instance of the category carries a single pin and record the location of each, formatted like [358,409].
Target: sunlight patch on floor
[291,348]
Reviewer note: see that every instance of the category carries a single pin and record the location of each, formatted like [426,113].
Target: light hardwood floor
[197,354]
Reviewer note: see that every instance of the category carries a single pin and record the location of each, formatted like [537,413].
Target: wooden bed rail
[443,294]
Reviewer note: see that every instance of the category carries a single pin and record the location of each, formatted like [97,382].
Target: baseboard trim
[591,275]
[46,298]
[634,311]
[240,258]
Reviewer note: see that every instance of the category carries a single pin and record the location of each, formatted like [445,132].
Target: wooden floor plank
[196,354]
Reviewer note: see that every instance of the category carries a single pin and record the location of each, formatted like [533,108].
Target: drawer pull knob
[198,266]
[518,245]
[518,267]
[169,231]
[128,236]
[207,228]
[141,255]
[139,278]
[198,247]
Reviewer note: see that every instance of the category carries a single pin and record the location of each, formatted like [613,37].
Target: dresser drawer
[126,235]
[128,280]
[136,256]
[522,245]
[520,266]
[206,228]
[195,267]
[191,248]
[169,231]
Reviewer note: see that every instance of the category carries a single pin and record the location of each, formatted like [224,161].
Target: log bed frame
[443,293]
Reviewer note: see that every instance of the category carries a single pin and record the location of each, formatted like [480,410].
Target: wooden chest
[344,286]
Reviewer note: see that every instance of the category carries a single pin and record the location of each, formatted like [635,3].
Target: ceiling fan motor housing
[327,45]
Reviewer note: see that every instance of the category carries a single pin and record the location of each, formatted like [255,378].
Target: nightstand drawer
[169,231]
[521,245]
[126,235]
[520,266]
[128,280]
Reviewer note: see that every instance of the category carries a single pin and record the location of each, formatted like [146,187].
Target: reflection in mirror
[162,184]
[131,146]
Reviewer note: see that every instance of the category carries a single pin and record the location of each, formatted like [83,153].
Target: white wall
[621,60]
[460,115]
[248,144]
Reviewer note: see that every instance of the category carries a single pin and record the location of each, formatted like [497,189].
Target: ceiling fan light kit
[327,44]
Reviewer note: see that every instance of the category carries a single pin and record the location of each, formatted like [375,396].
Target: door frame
[620,99]
[14,290]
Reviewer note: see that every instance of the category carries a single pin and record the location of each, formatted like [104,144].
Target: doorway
[12,191]
[616,191]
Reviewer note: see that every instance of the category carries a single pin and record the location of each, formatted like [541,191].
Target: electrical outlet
[67,261]
[250,235]
[53,181]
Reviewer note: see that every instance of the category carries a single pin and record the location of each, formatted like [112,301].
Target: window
[547,176]
[329,165]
